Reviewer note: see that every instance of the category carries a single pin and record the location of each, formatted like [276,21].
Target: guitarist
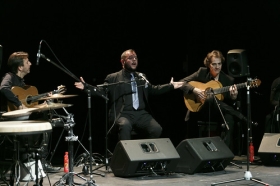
[19,66]
[213,71]
[272,124]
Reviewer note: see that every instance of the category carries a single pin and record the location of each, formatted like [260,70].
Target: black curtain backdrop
[170,38]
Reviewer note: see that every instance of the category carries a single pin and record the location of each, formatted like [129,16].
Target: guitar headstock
[60,89]
[254,83]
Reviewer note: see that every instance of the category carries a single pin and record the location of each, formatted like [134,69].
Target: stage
[267,174]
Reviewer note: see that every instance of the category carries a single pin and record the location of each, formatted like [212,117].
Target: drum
[24,127]
[22,114]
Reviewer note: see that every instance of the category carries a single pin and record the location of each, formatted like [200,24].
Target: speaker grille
[269,150]
[144,157]
[237,63]
[203,155]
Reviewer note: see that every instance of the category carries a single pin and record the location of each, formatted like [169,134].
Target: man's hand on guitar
[199,93]
[22,106]
[233,92]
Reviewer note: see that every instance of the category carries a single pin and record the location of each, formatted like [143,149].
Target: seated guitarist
[272,124]
[213,62]
[19,65]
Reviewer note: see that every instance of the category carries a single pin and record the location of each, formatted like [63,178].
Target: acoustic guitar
[194,104]
[29,96]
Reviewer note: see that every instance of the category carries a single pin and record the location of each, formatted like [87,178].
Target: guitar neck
[36,97]
[226,88]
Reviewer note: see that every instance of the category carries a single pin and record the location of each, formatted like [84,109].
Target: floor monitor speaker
[144,157]
[203,155]
[269,150]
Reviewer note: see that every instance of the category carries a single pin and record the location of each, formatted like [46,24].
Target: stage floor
[267,174]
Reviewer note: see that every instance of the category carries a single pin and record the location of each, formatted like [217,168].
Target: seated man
[272,123]
[19,65]
[129,109]
[196,91]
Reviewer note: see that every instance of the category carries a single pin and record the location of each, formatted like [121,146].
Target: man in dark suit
[272,124]
[125,111]
[213,71]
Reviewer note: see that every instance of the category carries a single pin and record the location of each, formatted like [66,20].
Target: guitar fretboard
[226,88]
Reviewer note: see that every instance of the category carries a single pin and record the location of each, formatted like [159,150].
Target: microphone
[39,53]
[143,77]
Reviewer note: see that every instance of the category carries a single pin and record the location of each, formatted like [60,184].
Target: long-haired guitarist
[19,66]
[198,91]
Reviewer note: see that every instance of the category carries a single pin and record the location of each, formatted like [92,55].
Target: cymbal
[19,113]
[44,106]
[57,96]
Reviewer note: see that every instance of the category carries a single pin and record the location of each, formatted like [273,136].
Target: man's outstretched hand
[176,84]
[80,85]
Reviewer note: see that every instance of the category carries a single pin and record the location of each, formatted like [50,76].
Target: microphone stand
[106,159]
[91,181]
[90,138]
[218,105]
[248,174]
[225,122]
[105,87]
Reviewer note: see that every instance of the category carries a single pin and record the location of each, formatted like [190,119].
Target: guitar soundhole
[208,92]
[28,101]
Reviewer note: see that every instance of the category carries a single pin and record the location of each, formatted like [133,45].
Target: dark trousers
[216,111]
[139,121]
[272,122]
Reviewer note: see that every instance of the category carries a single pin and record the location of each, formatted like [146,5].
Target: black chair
[207,128]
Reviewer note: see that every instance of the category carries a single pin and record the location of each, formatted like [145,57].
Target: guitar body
[23,94]
[192,102]
[214,87]
[29,96]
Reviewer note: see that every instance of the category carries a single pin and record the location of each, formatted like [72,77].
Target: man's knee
[124,122]
[156,131]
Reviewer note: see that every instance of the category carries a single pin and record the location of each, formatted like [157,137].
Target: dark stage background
[170,38]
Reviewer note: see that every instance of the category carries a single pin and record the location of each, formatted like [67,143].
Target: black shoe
[50,169]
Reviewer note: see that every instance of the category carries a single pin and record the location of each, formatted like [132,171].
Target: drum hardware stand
[90,182]
[247,175]
[3,177]
[68,177]
[67,118]
[53,152]
[16,172]
[63,68]
[36,171]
